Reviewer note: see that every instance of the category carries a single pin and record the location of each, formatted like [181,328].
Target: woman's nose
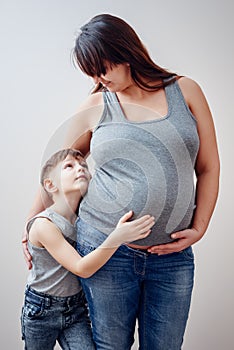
[100,79]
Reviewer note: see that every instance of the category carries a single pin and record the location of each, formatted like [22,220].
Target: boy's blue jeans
[46,319]
[132,285]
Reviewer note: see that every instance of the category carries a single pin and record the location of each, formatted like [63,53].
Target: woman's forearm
[41,201]
[206,197]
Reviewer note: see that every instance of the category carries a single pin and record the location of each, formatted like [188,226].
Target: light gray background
[40,89]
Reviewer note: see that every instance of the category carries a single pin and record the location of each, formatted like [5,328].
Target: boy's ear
[50,186]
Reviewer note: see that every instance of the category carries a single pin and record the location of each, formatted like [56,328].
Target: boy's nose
[80,169]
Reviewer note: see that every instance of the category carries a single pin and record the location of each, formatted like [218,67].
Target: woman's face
[117,77]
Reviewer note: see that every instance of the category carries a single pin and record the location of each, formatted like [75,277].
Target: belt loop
[69,299]
[47,301]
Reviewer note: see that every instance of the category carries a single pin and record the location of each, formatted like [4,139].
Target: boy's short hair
[55,159]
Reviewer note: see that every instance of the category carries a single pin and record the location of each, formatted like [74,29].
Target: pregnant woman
[149,132]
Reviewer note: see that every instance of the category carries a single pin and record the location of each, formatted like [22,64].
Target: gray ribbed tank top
[47,275]
[147,167]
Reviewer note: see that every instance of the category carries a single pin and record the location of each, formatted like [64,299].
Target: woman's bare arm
[78,137]
[41,201]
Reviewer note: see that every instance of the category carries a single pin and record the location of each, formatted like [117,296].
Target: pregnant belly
[168,201]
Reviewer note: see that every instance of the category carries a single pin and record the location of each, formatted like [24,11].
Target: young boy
[55,306]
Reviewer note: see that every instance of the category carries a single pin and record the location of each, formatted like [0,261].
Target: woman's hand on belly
[183,239]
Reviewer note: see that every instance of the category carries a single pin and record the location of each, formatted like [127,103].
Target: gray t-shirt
[47,275]
[147,167]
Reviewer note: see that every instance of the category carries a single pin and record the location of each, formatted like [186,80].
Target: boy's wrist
[112,241]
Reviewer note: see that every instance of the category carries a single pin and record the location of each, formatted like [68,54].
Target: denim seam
[65,339]
[144,335]
[142,273]
[22,325]
[188,255]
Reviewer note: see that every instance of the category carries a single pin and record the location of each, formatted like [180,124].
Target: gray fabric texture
[147,167]
[47,275]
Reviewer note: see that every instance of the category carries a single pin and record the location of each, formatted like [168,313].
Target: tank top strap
[175,98]
[113,111]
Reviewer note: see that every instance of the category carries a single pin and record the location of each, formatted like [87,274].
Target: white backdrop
[40,90]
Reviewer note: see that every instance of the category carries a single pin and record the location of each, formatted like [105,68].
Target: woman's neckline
[155,120]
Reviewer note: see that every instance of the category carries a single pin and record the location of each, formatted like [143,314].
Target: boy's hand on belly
[183,239]
[128,231]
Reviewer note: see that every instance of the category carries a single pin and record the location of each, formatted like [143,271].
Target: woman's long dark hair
[106,38]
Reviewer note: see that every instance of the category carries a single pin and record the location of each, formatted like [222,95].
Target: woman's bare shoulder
[192,93]
[188,84]
[189,87]
[195,99]
[93,100]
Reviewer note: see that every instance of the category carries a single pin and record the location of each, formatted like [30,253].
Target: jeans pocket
[188,254]
[33,310]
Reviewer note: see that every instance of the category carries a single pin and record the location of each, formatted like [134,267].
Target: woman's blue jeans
[132,285]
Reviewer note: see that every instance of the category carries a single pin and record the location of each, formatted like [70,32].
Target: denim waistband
[94,237]
[48,300]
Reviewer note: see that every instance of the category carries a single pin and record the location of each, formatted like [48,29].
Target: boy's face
[72,175]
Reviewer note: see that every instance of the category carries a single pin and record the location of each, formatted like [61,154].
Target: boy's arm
[68,257]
